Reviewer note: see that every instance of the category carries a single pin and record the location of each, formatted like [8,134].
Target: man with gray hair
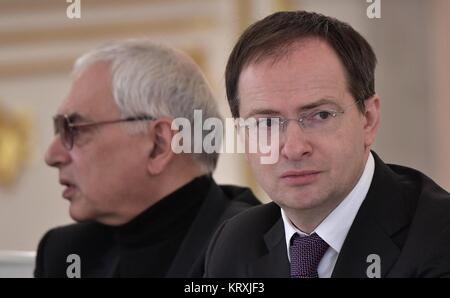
[142,210]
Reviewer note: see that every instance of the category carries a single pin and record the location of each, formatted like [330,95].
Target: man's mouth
[298,178]
[69,190]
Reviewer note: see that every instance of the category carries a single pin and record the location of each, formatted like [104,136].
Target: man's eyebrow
[262,111]
[318,103]
[309,106]
[76,117]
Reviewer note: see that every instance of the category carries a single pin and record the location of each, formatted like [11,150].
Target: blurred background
[39,43]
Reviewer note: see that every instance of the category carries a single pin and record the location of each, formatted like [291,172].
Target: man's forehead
[287,87]
[293,82]
[303,92]
[90,93]
[311,61]
[78,110]
[295,98]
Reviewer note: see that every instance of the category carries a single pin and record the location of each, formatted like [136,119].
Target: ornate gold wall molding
[14,145]
[104,31]
[16,6]
[78,33]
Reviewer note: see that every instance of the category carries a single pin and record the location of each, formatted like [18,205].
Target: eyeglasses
[67,130]
[319,120]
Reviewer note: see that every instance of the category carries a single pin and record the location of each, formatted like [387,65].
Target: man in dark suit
[338,210]
[143,211]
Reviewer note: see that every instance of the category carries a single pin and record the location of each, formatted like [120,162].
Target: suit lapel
[363,242]
[275,262]
[203,227]
[381,217]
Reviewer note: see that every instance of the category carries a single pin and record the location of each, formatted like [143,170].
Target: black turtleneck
[169,239]
[146,246]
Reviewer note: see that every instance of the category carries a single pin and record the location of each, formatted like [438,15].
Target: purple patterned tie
[306,253]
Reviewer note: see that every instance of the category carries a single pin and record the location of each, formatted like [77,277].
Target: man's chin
[301,200]
[79,215]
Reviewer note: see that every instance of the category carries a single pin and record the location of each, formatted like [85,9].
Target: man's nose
[295,143]
[56,154]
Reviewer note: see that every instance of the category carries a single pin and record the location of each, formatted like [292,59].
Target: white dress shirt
[334,228]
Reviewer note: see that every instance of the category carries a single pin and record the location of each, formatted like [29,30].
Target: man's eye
[74,130]
[322,115]
[267,122]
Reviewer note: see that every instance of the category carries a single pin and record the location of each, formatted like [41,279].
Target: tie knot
[306,253]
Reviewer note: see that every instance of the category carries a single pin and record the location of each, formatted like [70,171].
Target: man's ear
[160,153]
[371,119]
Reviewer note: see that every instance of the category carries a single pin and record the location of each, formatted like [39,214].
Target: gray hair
[156,80]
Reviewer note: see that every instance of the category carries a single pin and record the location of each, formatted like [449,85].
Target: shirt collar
[334,228]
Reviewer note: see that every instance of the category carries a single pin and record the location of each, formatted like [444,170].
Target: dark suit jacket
[405,219]
[98,259]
